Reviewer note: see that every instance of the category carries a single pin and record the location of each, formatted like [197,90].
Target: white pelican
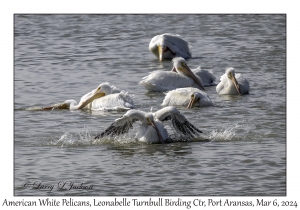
[168,46]
[151,128]
[180,76]
[232,84]
[189,97]
[104,97]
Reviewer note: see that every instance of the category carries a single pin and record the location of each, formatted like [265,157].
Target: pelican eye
[192,96]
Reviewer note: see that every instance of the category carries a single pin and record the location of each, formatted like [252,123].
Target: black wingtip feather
[115,130]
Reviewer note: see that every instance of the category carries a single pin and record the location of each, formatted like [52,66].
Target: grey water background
[59,57]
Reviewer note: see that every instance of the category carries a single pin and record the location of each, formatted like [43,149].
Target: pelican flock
[151,128]
[182,87]
[232,83]
[188,97]
[104,97]
[168,46]
[180,76]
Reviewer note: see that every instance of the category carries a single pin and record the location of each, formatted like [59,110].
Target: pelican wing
[177,45]
[179,122]
[243,83]
[116,101]
[123,124]
[206,75]
[159,81]
[179,96]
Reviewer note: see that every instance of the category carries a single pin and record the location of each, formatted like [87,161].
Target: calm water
[59,57]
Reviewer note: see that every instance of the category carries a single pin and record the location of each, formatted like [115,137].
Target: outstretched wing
[114,130]
[123,124]
[179,122]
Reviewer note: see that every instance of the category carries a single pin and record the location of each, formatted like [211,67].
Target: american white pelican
[232,84]
[104,97]
[180,76]
[189,97]
[151,128]
[168,46]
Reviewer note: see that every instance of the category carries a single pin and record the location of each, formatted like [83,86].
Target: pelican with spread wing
[151,129]
[180,76]
[104,97]
[168,46]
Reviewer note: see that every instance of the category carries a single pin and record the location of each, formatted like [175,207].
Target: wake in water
[34,108]
[60,106]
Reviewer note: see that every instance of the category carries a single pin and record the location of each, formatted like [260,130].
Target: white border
[9,8]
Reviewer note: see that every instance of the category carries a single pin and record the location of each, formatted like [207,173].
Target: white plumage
[206,75]
[168,46]
[114,101]
[188,97]
[151,129]
[104,97]
[232,84]
[180,76]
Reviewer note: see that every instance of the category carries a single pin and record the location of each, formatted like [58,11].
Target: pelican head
[102,90]
[231,75]
[105,88]
[180,66]
[195,96]
[159,46]
[150,121]
[162,49]
[168,46]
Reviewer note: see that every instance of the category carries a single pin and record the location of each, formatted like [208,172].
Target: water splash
[224,134]
[242,130]
[121,140]
[83,138]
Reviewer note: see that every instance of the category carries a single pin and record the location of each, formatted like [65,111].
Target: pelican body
[104,97]
[168,46]
[180,76]
[151,128]
[188,97]
[232,84]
